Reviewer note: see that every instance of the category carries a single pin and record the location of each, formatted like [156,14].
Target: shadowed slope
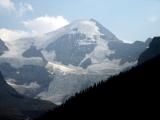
[14,106]
[131,93]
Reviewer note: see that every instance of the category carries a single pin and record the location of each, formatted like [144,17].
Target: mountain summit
[82,43]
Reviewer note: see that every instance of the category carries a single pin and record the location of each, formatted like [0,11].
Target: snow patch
[62,69]
[33,86]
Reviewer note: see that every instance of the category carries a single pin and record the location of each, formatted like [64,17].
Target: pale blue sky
[129,20]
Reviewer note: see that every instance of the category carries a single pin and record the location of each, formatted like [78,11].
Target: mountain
[58,64]
[152,51]
[14,106]
[87,42]
[131,94]
[81,43]
[82,40]
[3,47]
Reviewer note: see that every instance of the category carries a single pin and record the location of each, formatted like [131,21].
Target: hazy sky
[129,20]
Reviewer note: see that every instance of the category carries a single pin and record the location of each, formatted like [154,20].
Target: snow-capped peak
[89,27]
[86,27]
[80,43]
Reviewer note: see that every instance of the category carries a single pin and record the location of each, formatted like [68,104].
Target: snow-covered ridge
[87,27]
[53,67]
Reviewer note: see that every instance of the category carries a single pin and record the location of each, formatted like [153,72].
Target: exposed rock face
[3,47]
[151,52]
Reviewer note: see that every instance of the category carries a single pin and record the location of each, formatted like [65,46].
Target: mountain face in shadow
[127,52]
[3,47]
[33,52]
[14,106]
[26,75]
[131,93]
[151,52]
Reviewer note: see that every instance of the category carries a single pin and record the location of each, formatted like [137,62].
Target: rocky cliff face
[3,47]
[151,52]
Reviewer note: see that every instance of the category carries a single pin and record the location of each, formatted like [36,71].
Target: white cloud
[45,24]
[36,26]
[153,19]
[10,35]
[7,4]
[18,8]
